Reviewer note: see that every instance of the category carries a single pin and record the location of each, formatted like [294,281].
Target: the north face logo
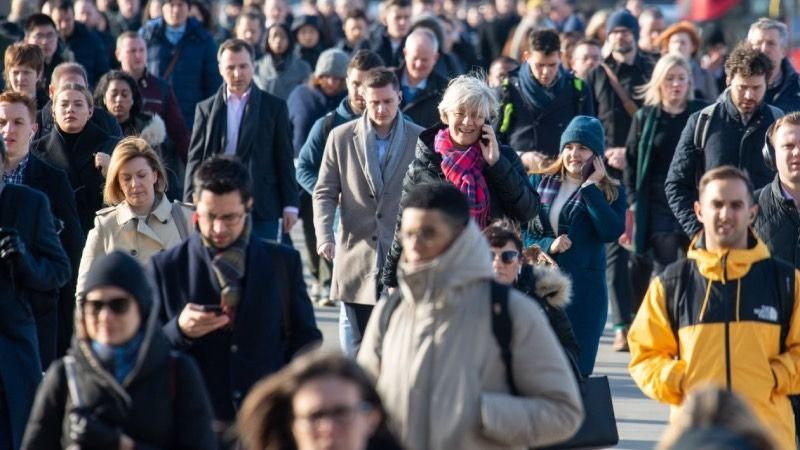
[767,313]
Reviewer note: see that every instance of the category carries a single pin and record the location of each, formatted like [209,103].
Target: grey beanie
[585,130]
[332,62]
[119,270]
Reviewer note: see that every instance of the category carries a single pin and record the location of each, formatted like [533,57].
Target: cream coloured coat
[116,229]
[439,370]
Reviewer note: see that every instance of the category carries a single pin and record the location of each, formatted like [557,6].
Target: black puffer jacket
[162,403]
[510,193]
[778,223]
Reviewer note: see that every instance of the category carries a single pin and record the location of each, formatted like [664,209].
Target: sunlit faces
[681,44]
[747,93]
[220,217]
[46,38]
[398,21]
[71,110]
[17,128]
[420,57]
[23,79]
[331,85]
[137,180]
[175,12]
[425,234]
[585,57]
[769,43]
[307,36]
[544,67]
[382,105]
[249,30]
[675,87]
[621,40]
[726,210]
[786,142]
[278,40]
[505,272]
[236,69]
[111,315]
[355,30]
[65,21]
[118,99]
[574,156]
[465,126]
[355,89]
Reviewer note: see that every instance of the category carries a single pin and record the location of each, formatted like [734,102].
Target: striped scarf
[229,267]
[548,190]
[464,169]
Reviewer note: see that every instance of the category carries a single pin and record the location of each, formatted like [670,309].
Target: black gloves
[89,432]
[12,250]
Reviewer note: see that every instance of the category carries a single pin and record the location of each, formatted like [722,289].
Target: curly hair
[105,82]
[747,62]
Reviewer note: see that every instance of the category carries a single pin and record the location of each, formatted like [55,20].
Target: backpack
[507,108]
[704,122]
[501,325]
[327,124]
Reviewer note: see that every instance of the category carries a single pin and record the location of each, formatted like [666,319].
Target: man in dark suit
[422,87]
[233,301]
[31,261]
[244,121]
[18,126]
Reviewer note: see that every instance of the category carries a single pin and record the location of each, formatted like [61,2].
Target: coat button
[134,252]
[234,348]
[374,238]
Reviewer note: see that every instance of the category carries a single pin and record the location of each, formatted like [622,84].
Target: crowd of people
[472,230]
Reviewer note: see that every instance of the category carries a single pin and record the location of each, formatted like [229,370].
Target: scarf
[540,97]
[229,268]
[548,190]
[464,169]
[119,360]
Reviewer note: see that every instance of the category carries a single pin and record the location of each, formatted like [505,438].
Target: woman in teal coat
[581,209]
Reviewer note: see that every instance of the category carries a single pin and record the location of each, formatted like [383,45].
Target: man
[233,301]
[651,24]
[436,355]
[157,98]
[422,88]
[500,69]
[88,49]
[783,87]
[17,127]
[355,32]
[246,122]
[41,31]
[70,72]
[726,315]
[563,14]
[492,34]
[32,262]
[249,27]
[544,98]
[613,84]
[396,25]
[585,57]
[182,52]
[310,161]
[362,174]
[128,18]
[277,12]
[731,133]
[23,70]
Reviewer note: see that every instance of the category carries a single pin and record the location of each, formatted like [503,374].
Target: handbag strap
[172,63]
[180,220]
[627,103]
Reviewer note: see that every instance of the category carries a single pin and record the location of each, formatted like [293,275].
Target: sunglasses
[117,306]
[507,256]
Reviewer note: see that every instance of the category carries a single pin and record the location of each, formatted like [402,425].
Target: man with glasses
[236,303]
[585,57]
[41,31]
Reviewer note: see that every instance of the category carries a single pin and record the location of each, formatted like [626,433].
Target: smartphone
[216,309]
[588,168]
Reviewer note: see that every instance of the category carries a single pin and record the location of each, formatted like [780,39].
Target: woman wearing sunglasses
[548,286]
[120,386]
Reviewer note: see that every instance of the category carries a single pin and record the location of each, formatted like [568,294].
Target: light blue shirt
[174,34]
[382,147]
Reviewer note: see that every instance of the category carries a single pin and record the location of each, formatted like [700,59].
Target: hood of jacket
[345,111]
[552,285]
[154,131]
[464,262]
[727,264]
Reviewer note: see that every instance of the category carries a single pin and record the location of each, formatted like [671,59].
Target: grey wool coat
[368,199]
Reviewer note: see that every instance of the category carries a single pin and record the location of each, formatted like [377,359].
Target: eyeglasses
[340,415]
[118,306]
[227,219]
[507,256]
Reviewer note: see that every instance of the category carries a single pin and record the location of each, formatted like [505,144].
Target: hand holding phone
[588,168]
[216,309]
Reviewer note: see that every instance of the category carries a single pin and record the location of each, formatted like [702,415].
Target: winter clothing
[510,193]
[195,76]
[100,118]
[280,76]
[622,18]
[152,129]
[382,44]
[158,98]
[306,105]
[423,108]
[118,228]
[161,403]
[332,62]
[308,54]
[728,141]
[438,366]
[590,221]
[89,50]
[492,37]
[778,223]
[786,94]
[368,195]
[464,170]
[726,330]
[587,131]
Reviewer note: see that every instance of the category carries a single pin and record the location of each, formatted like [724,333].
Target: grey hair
[425,34]
[765,24]
[469,93]
[651,91]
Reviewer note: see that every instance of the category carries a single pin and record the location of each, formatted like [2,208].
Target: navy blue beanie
[119,270]
[585,130]
[623,18]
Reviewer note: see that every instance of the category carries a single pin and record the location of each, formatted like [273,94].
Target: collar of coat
[727,264]
[162,212]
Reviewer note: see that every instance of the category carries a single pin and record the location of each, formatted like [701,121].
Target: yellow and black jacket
[723,317]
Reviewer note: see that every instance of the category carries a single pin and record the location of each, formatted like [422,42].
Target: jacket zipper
[727,322]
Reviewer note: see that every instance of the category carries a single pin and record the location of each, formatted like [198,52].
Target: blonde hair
[608,186]
[126,150]
[651,91]
[74,87]
[469,93]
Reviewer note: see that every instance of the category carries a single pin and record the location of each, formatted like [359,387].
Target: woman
[141,220]
[121,386]
[581,209]
[317,401]
[548,286]
[308,36]
[280,70]
[654,134]
[79,148]
[684,40]
[463,151]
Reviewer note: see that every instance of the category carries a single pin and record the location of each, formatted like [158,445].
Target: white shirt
[235,108]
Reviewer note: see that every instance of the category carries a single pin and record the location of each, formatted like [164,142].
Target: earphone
[768,151]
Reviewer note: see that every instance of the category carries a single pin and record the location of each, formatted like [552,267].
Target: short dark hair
[357,14]
[380,77]
[365,60]
[545,41]
[251,13]
[443,197]
[39,20]
[747,62]
[62,5]
[727,172]
[587,41]
[236,45]
[221,174]
[500,232]
[105,82]
[399,3]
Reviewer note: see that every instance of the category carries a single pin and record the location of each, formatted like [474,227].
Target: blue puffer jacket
[195,76]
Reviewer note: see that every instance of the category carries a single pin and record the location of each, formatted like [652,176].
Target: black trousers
[320,268]
[619,284]
[664,249]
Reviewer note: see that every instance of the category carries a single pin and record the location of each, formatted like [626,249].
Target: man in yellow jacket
[726,315]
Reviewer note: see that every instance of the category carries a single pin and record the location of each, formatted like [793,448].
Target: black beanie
[624,19]
[119,270]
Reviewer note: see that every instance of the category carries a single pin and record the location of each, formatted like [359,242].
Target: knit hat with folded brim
[121,271]
[587,131]
[332,62]
[624,19]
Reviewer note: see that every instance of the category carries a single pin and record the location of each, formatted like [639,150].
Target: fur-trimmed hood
[155,132]
[552,285]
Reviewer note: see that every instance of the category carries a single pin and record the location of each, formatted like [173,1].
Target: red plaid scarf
[464,168]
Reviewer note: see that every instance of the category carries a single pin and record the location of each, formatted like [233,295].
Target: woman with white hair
[463,150]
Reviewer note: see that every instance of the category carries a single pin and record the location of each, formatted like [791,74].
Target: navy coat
[90,51]
[232,361]
[28,211]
